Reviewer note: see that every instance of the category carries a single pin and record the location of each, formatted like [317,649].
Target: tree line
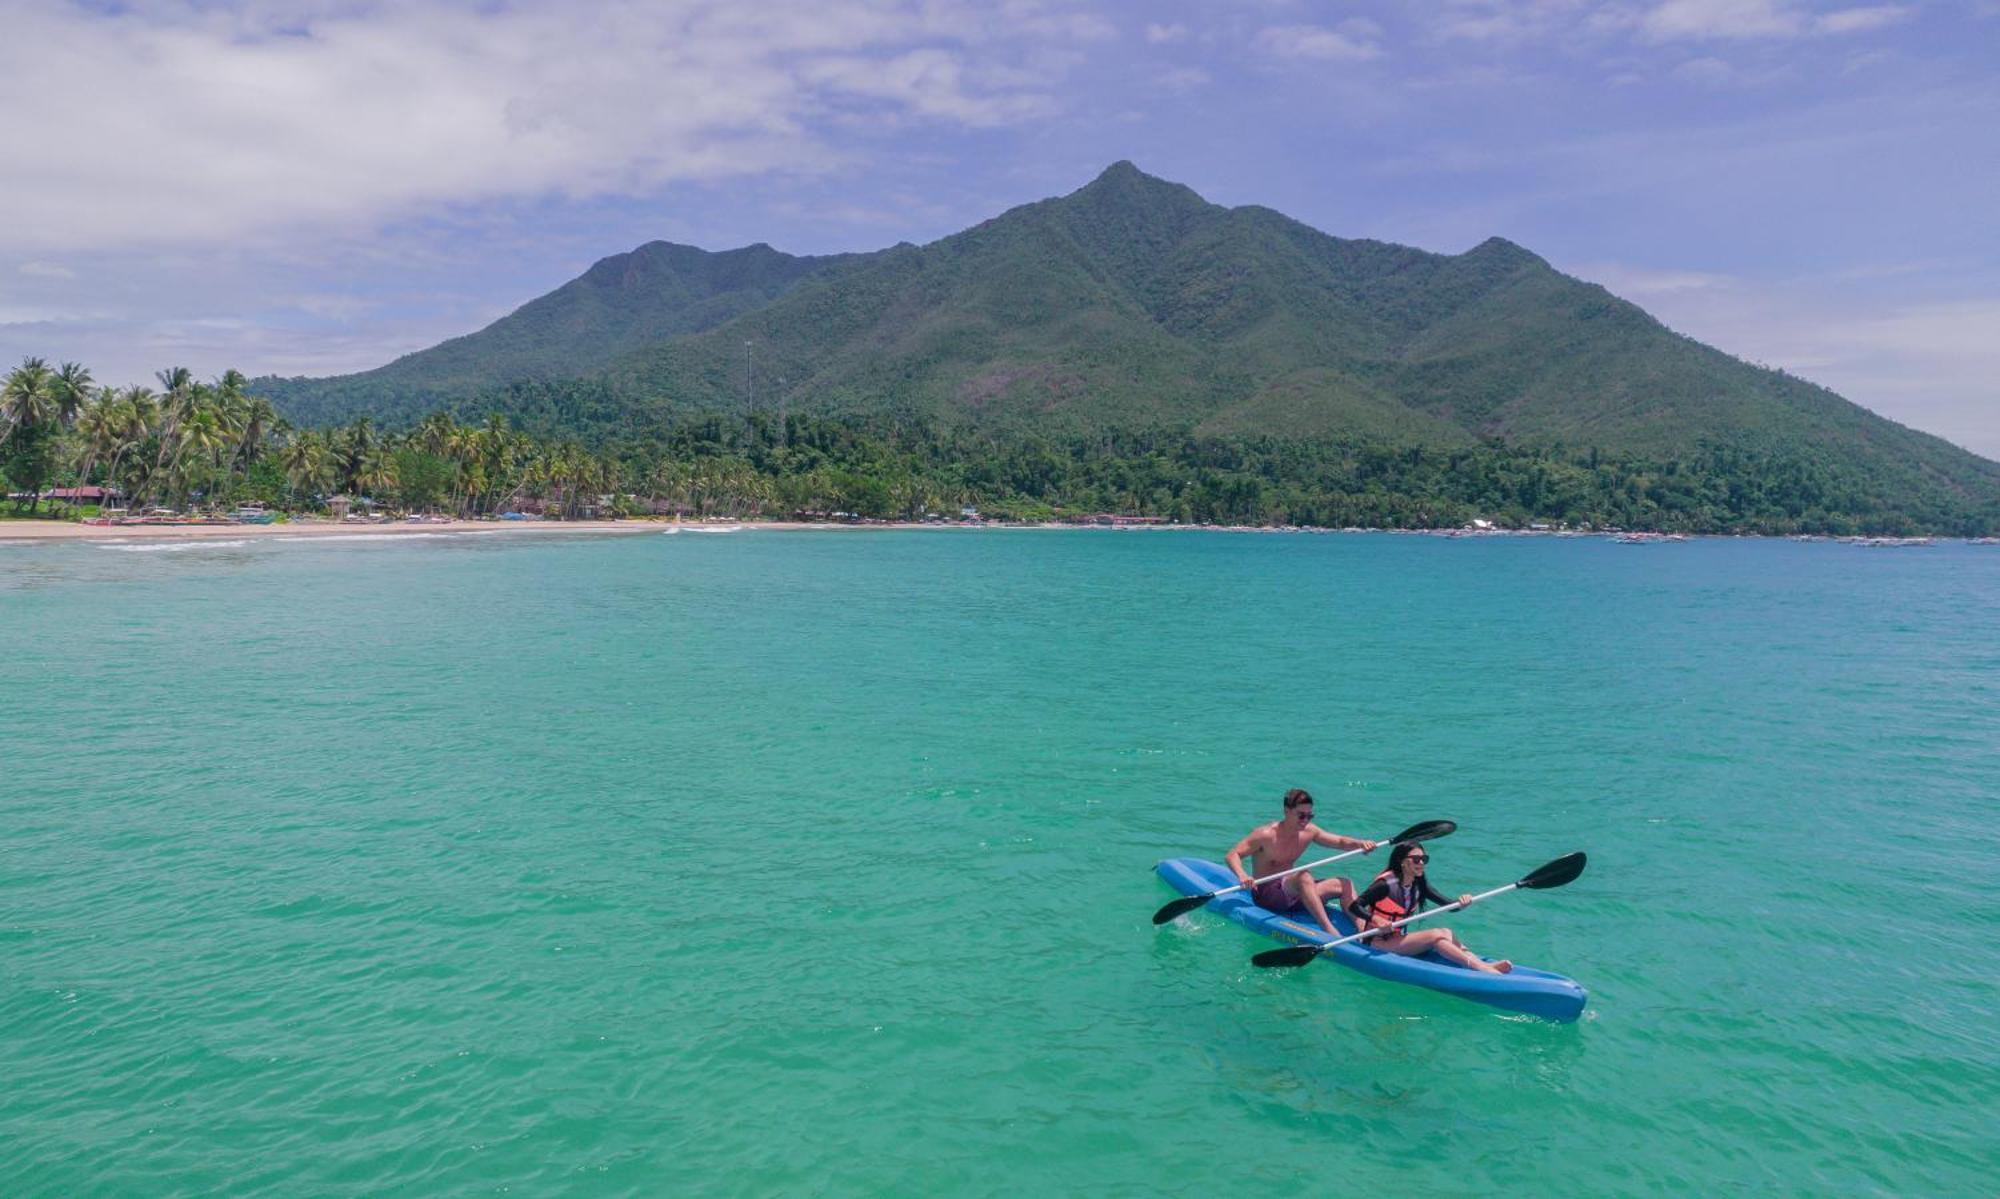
[195,444]
[211,444]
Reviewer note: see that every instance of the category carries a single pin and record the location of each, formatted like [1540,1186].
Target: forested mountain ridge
[1135,304]
[657,291]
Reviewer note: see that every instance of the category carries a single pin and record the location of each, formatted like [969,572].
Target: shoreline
[37,531]
[34,530]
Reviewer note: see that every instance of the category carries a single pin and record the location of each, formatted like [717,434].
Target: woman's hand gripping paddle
[1427,830]
[1544,878]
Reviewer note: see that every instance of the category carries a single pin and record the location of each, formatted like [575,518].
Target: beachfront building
[1119,520]
[82,495]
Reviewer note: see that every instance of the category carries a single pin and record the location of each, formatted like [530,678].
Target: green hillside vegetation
[659,290]
[196,445]
[1134,306]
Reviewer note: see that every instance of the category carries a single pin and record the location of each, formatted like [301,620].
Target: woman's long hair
[1398,856]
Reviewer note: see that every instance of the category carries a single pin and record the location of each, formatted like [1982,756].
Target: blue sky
[312,188]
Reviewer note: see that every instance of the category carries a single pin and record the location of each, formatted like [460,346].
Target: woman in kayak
[1399,892]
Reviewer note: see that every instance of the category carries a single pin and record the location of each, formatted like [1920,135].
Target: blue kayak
[1535,992]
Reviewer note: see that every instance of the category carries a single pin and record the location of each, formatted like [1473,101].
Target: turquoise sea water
[784,863]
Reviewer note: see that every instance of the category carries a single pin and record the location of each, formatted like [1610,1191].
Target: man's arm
[1250,845]
[1336,841]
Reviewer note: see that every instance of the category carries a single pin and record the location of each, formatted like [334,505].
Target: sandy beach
[54,530]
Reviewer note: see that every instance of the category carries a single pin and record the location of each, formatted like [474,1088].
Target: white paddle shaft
[1294,870]
[1364,934]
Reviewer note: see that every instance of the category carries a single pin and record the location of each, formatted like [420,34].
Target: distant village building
[337,506]
[81,495]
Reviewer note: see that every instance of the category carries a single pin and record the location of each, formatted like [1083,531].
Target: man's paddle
[1543,878]
[1426,830]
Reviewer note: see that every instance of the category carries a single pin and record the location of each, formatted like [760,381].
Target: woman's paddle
[1426,830]
[1544,878]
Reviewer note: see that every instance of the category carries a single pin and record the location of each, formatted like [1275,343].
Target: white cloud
[1504,20]
[1351,41]
[1721,19]
[35,314]
[1928,363]
[1182,79]
[1707,72]
[206,126]
[47,270]
[925,83]
[1745,19]
[1635,282]
[1858,20]
[1162,34]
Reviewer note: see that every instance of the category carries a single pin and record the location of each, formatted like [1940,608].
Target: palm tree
[97,426]
[29,398]
[255,418]
[180,395]
[203,436]
[28,404]
[378,471]
[133,421]
[351,447]
[434,433]
[308,462]
[72,387]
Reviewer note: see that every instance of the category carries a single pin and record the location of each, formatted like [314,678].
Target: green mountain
[658,291]
[1134,304]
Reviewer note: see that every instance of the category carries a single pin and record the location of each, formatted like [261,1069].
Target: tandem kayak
[1525,989]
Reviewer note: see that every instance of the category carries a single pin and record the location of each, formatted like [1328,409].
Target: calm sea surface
[822,863]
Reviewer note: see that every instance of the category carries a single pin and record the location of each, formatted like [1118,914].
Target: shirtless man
[1277,845]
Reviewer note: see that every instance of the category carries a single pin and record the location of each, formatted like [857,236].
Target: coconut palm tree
[72,387]
[134,416]
[433,435]
[29,398]
[97,429]
[351,447]
[28,407]
[378,471]
[254,420]
[179,398]
[204,436]
[308,462]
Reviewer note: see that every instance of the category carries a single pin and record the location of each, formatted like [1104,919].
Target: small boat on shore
[1525,989]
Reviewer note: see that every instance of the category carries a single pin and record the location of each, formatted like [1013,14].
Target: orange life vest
[1386,910]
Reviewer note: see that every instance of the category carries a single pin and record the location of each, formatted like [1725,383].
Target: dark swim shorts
[1273,897]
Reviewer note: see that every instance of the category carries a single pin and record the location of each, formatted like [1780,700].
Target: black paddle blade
[1424,830]
[1180,907]
[1290,955]
[1554,874]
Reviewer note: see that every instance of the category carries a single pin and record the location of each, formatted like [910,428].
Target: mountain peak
[1500,250]
[1122,183]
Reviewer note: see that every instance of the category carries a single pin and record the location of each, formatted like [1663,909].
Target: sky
[318,187]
